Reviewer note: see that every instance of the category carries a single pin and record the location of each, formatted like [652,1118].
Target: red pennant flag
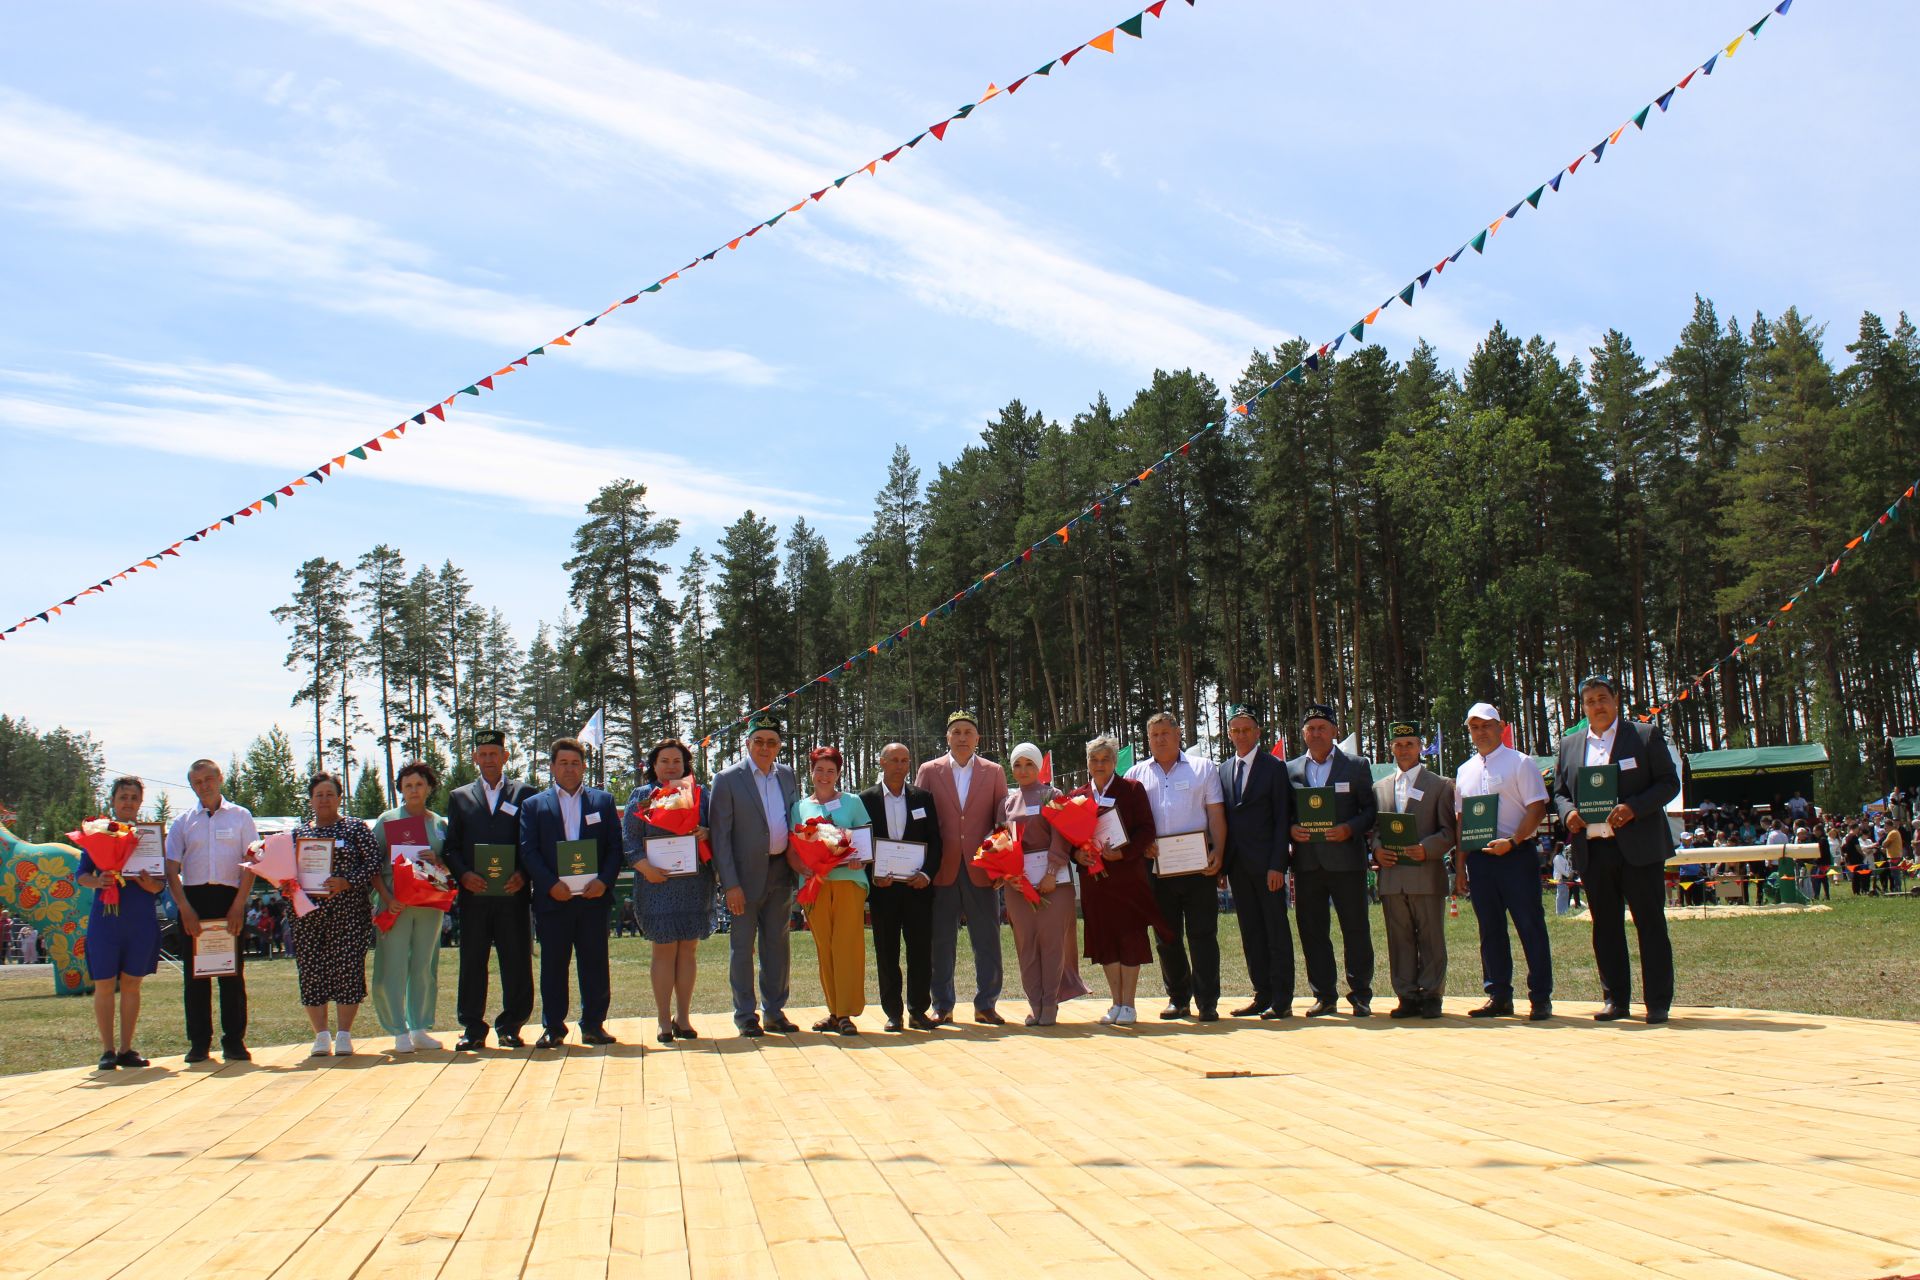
[1067,57]
[1279,751]
[891,154]
[326,468]
[1690,76]
[437,412]
[486,382]
[1046,767]
[1575,166]
[939,130]
[286,490]
[1506,735]
[1156,7]
[1015,86]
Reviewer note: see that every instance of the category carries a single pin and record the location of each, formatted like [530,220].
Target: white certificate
[675,855]
[1110,829]
[150,855]
[313,856]
[1183,854]
[862,838]
[1036,867]
[899,859]
[214,953]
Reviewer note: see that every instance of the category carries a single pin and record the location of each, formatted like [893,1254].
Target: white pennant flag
[594,732]
[1351,743]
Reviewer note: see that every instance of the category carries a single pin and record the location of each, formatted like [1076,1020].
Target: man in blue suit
[749,817]
[1330,868]
[571,923]
[1259,817]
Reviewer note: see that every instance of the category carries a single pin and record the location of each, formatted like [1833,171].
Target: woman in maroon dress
[1118,904]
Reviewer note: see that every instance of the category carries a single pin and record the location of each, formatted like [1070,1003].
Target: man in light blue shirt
[1184,792]
[748,830]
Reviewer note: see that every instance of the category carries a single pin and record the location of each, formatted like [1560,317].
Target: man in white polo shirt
[1184,792]
[208,883]
[1504,878]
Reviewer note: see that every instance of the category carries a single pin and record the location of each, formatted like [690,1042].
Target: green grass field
[1862,959]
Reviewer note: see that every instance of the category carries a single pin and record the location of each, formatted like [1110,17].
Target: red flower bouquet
[676,809]
[1076,817]
[1005,863]
[821,847]
[109,844]
[416,884]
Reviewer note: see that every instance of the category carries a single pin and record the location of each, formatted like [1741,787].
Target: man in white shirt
[901,907]
[210,884]
[1185,794]
[1503,879]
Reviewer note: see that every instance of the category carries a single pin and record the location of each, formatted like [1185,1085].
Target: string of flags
[1890,516]
[1241,413]
[1107,41]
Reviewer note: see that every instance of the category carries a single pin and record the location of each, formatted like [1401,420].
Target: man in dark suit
[1330,867]
[487,811]
[749,817]
[1259,804]
[572,922]
[903,908]
[1413,881]
[1623,861]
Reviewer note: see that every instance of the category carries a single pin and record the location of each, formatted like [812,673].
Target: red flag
[1280,748]
[1506,735]
[1046,767]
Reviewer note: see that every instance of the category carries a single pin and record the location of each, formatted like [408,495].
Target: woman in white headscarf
[1043,939]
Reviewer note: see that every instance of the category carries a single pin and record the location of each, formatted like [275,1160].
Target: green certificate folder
[1479,822]
[576,862]
[1313,809]
[1399,833]
[1597,790]
[495,864]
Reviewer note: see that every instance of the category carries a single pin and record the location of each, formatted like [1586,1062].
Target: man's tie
[1239,781]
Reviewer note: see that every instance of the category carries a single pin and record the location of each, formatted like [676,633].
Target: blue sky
[240,238]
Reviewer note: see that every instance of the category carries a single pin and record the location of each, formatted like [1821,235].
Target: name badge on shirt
[509,809]
[1183,786]
[1105,802]
[1413,793]
[1342,787]
[918,814]
[1628,763]
[593,819]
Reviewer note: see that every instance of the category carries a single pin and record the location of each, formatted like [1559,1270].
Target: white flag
[1351,744]
[594,732]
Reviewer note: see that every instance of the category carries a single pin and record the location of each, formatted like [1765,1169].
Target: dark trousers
[1509,886]
[1266,934]
[212,902]
[574,933]
[1612,885]
[1191,905]
[1822,887]
[1317,897]
[490,927]
[903,914]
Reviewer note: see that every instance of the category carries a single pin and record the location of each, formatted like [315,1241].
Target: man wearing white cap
[1503,878]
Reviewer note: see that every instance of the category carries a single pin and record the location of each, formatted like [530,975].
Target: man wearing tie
[572,922]
[1259,817]
[1186,797]
[1330,866]
[1623,862]
[1504,878]
[487,811]
[747,819]
[969,792]
[903,908]
[1413,881]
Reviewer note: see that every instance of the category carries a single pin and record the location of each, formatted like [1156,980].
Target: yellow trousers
[838,920]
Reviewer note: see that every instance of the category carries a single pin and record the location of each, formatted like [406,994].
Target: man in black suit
[1259,818]
[572,920]
[1330,867]
[903,908]
[1623,861]
[487,812]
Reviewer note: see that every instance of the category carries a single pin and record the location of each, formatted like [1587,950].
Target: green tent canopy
[1754,775]
[1906,760]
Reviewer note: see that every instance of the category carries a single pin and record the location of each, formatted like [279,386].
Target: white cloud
[64,167]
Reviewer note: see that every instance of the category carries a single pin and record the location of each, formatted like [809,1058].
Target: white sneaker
[421,1040]
[403,1043]
[1111,1016]
[342,1044]
[1127,1016]
[322,1045]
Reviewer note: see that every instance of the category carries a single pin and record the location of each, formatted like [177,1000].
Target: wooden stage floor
[1726,1144]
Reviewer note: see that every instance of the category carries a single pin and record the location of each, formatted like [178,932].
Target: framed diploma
[1110,829]
[675,855]
[577,862]
[313,860]
[862,838]
[899,859]
[1184,854]
[214,952]
[150,855]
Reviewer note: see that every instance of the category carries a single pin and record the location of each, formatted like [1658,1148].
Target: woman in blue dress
[676,912]
[122,945]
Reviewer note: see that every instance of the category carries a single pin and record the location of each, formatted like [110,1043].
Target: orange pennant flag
[1103,42]
[1615,135]
[735,242]
[992,89]
[340,461]
[301,483]
[557,342]
[256,509]
[501,373]
[1494,228]
[790,209]
[1372,316]
[392,433]
[872,165]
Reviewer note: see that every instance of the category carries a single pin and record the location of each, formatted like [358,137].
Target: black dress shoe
[598,1035]
[130,1059]
[1363,1008]
[1495,1007]
[895,1025]
[236,1054]
[1172,1012]
[511,1040]
[1252,1010]
[752,1030]
[988,1018]
[197,1055]
[551,1039]
[941,1019]
[1405,1010]
[784,1025]
[1431,1009]
[921,1022]
[1207,1015]
[1276,1013]
[1654,1018]
[1541,1011]
[685,1033]
[665,1036]
[108,1061]
[1321,1008]
[470,1044]
[1610,1013]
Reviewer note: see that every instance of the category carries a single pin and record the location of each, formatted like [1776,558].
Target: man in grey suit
[1413,879]
[1330,866]
[748,823]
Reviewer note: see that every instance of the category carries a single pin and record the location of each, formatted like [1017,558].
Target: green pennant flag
[1133,25]
[1406,295]
[1640,121]
[652,288]
[1533,197]
[965,111]
[1123,760]
[360,453]
[1296,374]
[470,391]
[838,181]
[1479,243]
[1359,329]
[538,351]
[1046,70]
[271,499]
[1754,30]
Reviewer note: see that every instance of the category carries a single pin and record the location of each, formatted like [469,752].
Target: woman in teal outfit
[406,958]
